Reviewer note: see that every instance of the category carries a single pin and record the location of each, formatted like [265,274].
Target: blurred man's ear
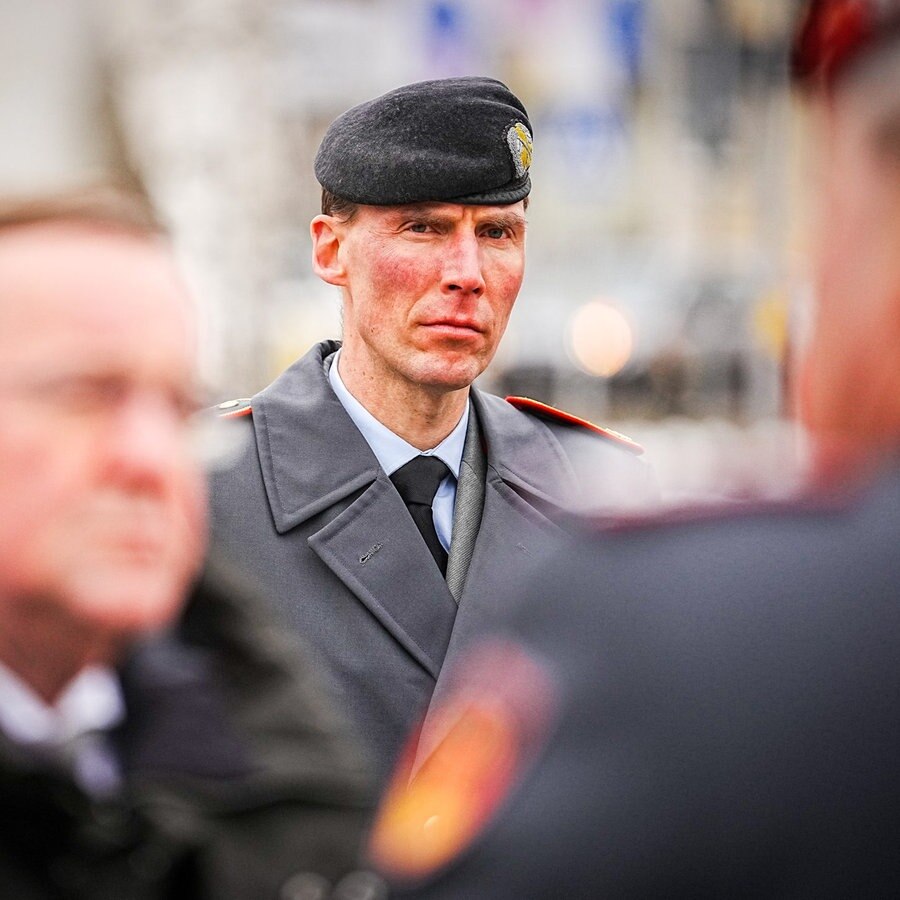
[327,232]
[849,388]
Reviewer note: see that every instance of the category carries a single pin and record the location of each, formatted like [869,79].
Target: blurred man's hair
[832,35]
[877,77]
[105,206]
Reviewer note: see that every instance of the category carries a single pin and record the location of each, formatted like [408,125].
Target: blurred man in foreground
[143,753]
[708,707]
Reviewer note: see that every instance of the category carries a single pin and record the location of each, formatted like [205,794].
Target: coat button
[305,886]
[360,886]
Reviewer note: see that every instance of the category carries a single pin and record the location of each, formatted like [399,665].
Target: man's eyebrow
[506,220]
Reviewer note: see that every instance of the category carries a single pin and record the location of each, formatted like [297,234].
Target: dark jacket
[726,719]
[313,516]
[235,775]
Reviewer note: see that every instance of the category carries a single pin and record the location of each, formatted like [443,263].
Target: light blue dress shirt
[392,451]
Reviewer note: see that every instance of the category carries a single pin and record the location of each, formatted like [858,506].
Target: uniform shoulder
[552,414]
[714,520]
[234,409]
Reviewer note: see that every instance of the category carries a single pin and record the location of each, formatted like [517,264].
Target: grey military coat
[308,512]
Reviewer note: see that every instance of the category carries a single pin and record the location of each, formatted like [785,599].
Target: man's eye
[495,232]
[84,394]
[419,228]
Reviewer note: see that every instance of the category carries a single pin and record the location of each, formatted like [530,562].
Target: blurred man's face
[101,509]
[851,386]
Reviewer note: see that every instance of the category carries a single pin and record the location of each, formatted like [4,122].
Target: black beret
[459,140]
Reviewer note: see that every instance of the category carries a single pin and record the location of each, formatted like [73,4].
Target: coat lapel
[314,459]
[528,484]
[512,537]
[528,478]
[469,507]
[375,549]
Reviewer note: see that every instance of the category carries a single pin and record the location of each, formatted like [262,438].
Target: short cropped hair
[342,209]
[105,205]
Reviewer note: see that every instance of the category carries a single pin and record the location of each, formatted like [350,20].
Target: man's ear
[327,233]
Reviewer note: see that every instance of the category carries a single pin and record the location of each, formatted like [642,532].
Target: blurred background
[666,283]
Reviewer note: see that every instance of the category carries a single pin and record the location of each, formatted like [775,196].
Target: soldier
[708,708]
[148,749]
[382,496]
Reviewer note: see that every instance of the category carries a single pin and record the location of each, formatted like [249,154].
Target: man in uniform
[146,753]
[383,497]
[708,707]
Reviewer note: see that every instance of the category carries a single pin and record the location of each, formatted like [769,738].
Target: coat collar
[312,455]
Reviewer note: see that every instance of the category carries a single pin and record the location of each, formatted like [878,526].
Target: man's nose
[462,265]
[148,442]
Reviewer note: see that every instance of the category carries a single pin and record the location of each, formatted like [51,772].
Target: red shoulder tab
[551,412]
[234,409]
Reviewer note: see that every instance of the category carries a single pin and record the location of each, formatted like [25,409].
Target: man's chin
[447,374]
[128,603]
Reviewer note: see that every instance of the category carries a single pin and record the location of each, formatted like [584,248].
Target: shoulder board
[526,404]
[234,409]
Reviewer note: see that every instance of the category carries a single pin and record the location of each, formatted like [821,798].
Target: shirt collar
[92,701]
[390,449]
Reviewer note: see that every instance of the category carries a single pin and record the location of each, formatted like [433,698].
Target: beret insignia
[521,146]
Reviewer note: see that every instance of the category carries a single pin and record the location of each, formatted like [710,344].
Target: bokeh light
[601,339]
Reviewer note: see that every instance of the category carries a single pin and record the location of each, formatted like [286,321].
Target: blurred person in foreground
[382,496]
[148,748]
[708,707]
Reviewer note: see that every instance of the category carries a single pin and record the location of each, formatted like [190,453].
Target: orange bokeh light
[601,339]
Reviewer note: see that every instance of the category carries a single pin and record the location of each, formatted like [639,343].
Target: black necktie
[417,483]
